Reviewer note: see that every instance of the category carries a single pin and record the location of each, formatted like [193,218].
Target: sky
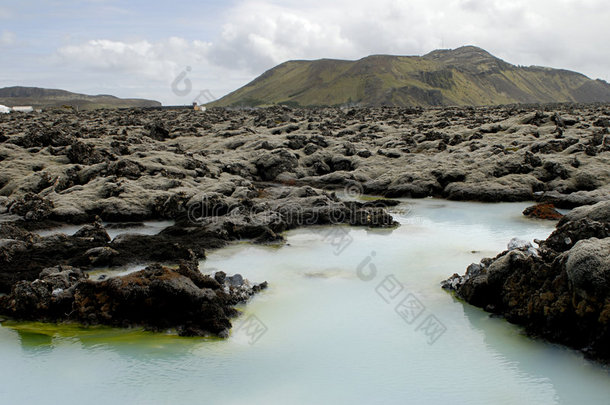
[178,52]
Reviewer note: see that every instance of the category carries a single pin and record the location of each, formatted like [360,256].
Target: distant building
[197,107]
[23,108]
[4,109]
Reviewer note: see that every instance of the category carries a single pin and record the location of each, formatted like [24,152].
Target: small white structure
[23,108]
[198,107]
[4,109]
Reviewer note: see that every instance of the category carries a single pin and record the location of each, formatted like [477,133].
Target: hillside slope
[50,98]
[463,76]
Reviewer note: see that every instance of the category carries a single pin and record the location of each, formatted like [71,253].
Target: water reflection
[34,343]
[37,339]
[530,356]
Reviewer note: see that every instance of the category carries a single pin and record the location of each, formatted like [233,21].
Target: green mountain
[462,76]
[50,98]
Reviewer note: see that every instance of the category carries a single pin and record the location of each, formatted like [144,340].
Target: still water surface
[351,316]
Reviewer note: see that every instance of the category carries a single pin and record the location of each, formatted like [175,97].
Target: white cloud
[258,34]
[148,67]
[142,57]
[564,33]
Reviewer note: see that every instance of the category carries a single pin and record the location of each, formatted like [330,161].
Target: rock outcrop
[542,211]
[156,298]
[210,221]
[560,291]
[135,164]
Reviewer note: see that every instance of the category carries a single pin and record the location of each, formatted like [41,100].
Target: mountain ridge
[463,76]
[39,97]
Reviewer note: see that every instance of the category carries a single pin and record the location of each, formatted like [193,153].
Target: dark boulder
[23,260]
[125,168]
[310,149]
[94,232]
[270,165]
[47,298]
[339,163]
[444,177]
[156,298]
[553,170]
[32,207]
[542,211]
[43,138]
[135,248]
[296,141]
[602,122]
[158,132]
[83,153]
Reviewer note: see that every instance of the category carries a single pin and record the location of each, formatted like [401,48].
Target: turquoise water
[351,316]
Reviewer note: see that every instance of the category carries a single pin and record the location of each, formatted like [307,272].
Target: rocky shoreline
[34,267]
[227,175]
[559,291]
[157,298]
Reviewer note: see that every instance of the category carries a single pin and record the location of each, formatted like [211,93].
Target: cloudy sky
[174,51]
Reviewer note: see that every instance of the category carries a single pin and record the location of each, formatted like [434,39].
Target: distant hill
[50,98]
[462,76]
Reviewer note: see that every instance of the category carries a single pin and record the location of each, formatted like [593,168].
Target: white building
[198,107]
[4,109]
[23,108]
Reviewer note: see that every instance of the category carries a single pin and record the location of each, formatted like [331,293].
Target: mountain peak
[467,75]
[468,55]
[461,51]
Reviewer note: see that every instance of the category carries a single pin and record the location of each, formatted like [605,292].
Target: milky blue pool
[351,316]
